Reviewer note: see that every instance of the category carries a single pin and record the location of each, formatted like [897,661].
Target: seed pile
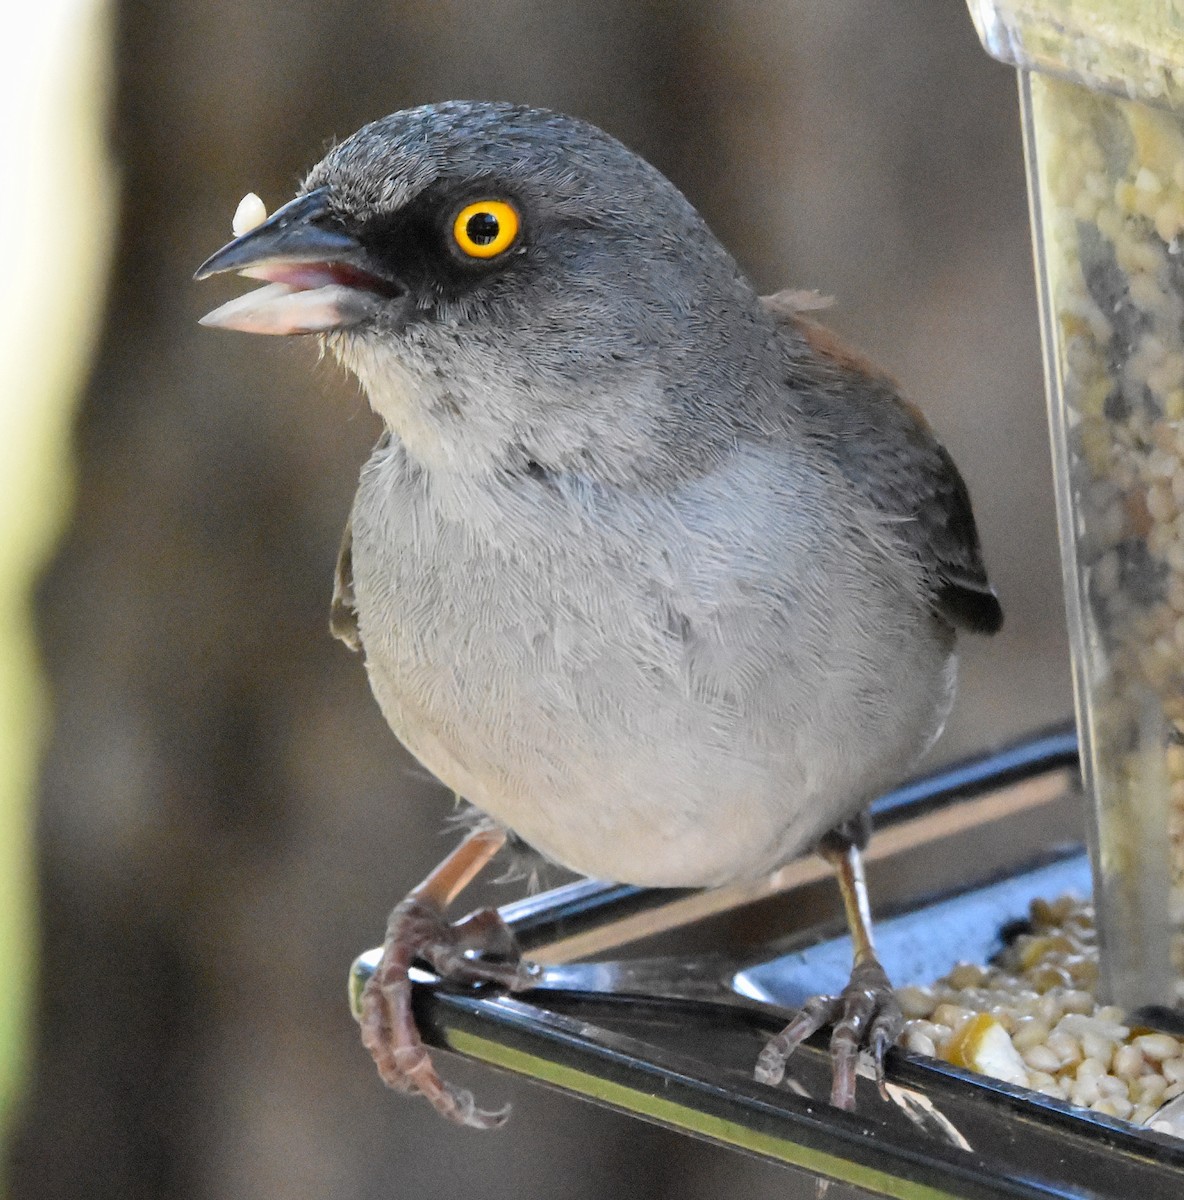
[1030,1018]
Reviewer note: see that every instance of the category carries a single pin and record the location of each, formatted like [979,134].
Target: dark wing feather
[885,448]
[343,608]
[343,612]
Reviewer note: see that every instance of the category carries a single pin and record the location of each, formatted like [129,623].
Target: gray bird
[649,569]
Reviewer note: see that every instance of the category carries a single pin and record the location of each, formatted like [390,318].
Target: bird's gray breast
[670,690]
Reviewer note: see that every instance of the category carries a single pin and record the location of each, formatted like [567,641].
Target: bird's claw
[865,1016]
[418,930]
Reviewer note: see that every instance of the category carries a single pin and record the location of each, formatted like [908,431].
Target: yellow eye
[485,229]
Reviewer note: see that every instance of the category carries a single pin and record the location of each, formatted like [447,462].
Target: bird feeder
[1102,95]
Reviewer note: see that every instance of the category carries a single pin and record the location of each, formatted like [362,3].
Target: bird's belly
[556,694]
[613,776]
[662,802]
[643,806]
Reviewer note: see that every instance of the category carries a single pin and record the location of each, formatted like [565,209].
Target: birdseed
[250,214]
[1111,206]
[1030,1018]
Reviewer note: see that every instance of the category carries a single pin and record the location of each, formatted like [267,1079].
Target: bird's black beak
[319,276]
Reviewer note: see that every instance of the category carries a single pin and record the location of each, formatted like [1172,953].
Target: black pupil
[482,228]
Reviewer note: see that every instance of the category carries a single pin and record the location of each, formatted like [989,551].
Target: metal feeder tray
[671,1033]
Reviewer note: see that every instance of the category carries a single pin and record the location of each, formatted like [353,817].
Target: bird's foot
[865,1015]
[418,930]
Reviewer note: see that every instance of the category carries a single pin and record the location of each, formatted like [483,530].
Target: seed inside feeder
[250,214]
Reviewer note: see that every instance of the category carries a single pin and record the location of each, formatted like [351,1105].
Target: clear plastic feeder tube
[1102,91]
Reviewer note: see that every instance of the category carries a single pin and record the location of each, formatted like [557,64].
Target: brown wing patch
[885,448]
[787,307]
[829,345]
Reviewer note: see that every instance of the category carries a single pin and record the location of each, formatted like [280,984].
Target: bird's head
[501,276]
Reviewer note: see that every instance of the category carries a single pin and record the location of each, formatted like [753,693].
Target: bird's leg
[418,928]
[865,1014]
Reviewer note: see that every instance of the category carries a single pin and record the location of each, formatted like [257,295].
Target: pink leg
[865,1014]
[418,929]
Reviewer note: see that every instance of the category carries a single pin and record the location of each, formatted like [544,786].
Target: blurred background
[203,814]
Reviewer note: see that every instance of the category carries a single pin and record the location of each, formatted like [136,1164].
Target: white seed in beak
[250,214]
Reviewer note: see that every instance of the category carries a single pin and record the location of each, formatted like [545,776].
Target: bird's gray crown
[387,163]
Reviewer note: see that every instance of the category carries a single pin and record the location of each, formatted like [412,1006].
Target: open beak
[318,276]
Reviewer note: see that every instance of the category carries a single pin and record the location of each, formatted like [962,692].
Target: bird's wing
[343,612]
[343,608]
[884,447]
